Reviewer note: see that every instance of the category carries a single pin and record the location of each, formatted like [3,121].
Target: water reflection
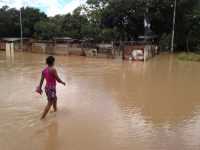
[10,55]
[159,93]
[52,136]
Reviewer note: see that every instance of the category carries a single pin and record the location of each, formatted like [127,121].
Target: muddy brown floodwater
[106,104]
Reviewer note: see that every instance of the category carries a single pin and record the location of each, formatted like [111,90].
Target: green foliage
[9,22]
[165,41]
[110,20]
[10,25]
[185,57]
[91,31]
[30,17]
[189,57]
[193,28]
[109,34]
[46,30]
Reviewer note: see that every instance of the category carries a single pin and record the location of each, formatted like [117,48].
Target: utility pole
[173,29]
[21,29]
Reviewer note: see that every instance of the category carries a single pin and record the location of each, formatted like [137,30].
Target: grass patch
[189,57]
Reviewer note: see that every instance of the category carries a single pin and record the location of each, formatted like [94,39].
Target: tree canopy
[109,20]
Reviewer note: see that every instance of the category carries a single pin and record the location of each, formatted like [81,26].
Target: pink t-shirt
[50,79]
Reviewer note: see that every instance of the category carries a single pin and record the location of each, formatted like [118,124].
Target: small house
[16,45]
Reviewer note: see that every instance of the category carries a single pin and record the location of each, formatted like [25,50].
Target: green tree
[73,23]
[46,30]
[192,26]
[109,20]
[29,17]
[58,21]
[9,22]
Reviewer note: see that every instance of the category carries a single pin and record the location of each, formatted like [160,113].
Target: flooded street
[106,104]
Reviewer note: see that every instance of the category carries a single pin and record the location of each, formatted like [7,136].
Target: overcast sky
[50,7]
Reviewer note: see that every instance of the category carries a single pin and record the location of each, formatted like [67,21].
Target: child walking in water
[51,76]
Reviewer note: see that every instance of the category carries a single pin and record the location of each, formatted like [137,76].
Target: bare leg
[46,110]
[55,105]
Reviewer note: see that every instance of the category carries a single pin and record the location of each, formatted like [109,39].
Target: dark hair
[50,60]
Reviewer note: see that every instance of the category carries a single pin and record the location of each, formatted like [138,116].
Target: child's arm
[39,88]
[57,77]
[41,80]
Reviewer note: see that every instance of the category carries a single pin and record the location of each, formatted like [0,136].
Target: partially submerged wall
[17,46]
[99,50]
[106,51]
[2,45]
[39,47]
[86,49]
[68,49]
[90,50]
[26,46]
[49,48]
[139,51]
[133,52]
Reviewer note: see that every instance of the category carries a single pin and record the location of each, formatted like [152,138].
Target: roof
[62,38]
[13,39]
[88,39]
[147,37]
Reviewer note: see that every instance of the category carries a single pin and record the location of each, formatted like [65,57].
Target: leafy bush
[185,57]
[189,57]
[165,41]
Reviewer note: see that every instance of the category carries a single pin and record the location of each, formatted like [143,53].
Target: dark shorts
[51,92]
